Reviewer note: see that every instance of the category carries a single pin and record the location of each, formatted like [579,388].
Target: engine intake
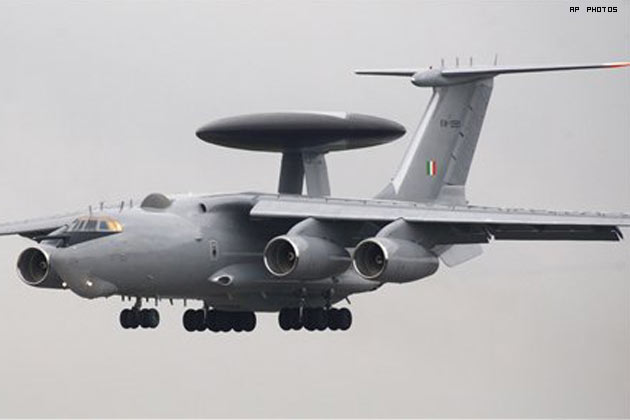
[35,270]
[305,257]
[393,260]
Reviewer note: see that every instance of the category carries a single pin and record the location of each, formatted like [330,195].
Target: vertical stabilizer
[438,159]
[437,162]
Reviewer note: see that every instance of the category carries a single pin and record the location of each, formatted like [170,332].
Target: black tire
[308,319]
[200,320]
[333,319]
[189,320]
[248,321]
[285,319]
[144,318]
[320,319]
[224,321]
[238,321]
[124,318]
[133,319]
[154,316]
[297,319]
[211,321]
[345,319]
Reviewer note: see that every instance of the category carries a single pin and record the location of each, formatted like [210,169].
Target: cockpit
[95,224]
[83,229]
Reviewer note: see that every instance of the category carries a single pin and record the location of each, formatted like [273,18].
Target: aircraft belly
[262,293]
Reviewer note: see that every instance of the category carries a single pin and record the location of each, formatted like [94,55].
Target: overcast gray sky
[100,101]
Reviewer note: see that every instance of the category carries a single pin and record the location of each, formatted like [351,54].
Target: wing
[37,227]
[453,224]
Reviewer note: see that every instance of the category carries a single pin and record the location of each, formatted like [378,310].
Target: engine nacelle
[390,260]
[305,257]
[34,268]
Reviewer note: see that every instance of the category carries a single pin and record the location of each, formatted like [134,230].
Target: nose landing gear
[137,317]
[144,318]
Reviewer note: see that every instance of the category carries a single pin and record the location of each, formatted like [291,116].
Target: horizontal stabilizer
[387,72]
[496,70]
[451,76]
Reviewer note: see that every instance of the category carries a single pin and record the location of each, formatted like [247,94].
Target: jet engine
[393,260]
[305,257]
[35,270]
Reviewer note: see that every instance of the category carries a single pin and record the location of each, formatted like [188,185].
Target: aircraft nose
[71,265]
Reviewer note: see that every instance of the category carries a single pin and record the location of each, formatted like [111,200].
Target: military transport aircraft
[293,253]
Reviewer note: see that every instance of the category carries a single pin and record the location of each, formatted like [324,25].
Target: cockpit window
[94,224]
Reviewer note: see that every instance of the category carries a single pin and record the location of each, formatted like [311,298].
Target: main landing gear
[136,317]
[215,321]
[315,319]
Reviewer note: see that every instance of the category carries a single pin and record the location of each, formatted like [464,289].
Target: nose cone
[71,264]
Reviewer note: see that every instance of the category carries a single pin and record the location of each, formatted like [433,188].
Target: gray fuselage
[198,247]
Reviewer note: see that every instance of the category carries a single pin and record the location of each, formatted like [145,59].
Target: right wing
[452,224]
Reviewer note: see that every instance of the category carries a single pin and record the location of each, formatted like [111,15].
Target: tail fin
[436,164]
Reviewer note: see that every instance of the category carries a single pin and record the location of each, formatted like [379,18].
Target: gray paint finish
[529,330]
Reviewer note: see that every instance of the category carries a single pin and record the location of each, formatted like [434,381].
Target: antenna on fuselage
[122,206]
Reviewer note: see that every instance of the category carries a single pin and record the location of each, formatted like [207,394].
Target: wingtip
[618,64]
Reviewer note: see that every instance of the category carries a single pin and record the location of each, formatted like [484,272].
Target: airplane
[301,254]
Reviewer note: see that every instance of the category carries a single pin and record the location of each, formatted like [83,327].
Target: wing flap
[558,233]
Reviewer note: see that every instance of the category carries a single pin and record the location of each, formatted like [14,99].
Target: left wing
[455,224]
[37,227]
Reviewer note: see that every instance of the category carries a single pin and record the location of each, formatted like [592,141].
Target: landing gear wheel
[248,321]
[133,319]
[154,318]
[224,321]
[333,319]
[320,319]
[211,321]
[189,320]
[200,320]
[124,318]
[297,319]
[308,318]
[285,319]
[144,318]
[345,319]
[237,319]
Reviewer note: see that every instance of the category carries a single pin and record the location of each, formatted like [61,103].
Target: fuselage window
[81,225]
[91,225]
[102,225]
